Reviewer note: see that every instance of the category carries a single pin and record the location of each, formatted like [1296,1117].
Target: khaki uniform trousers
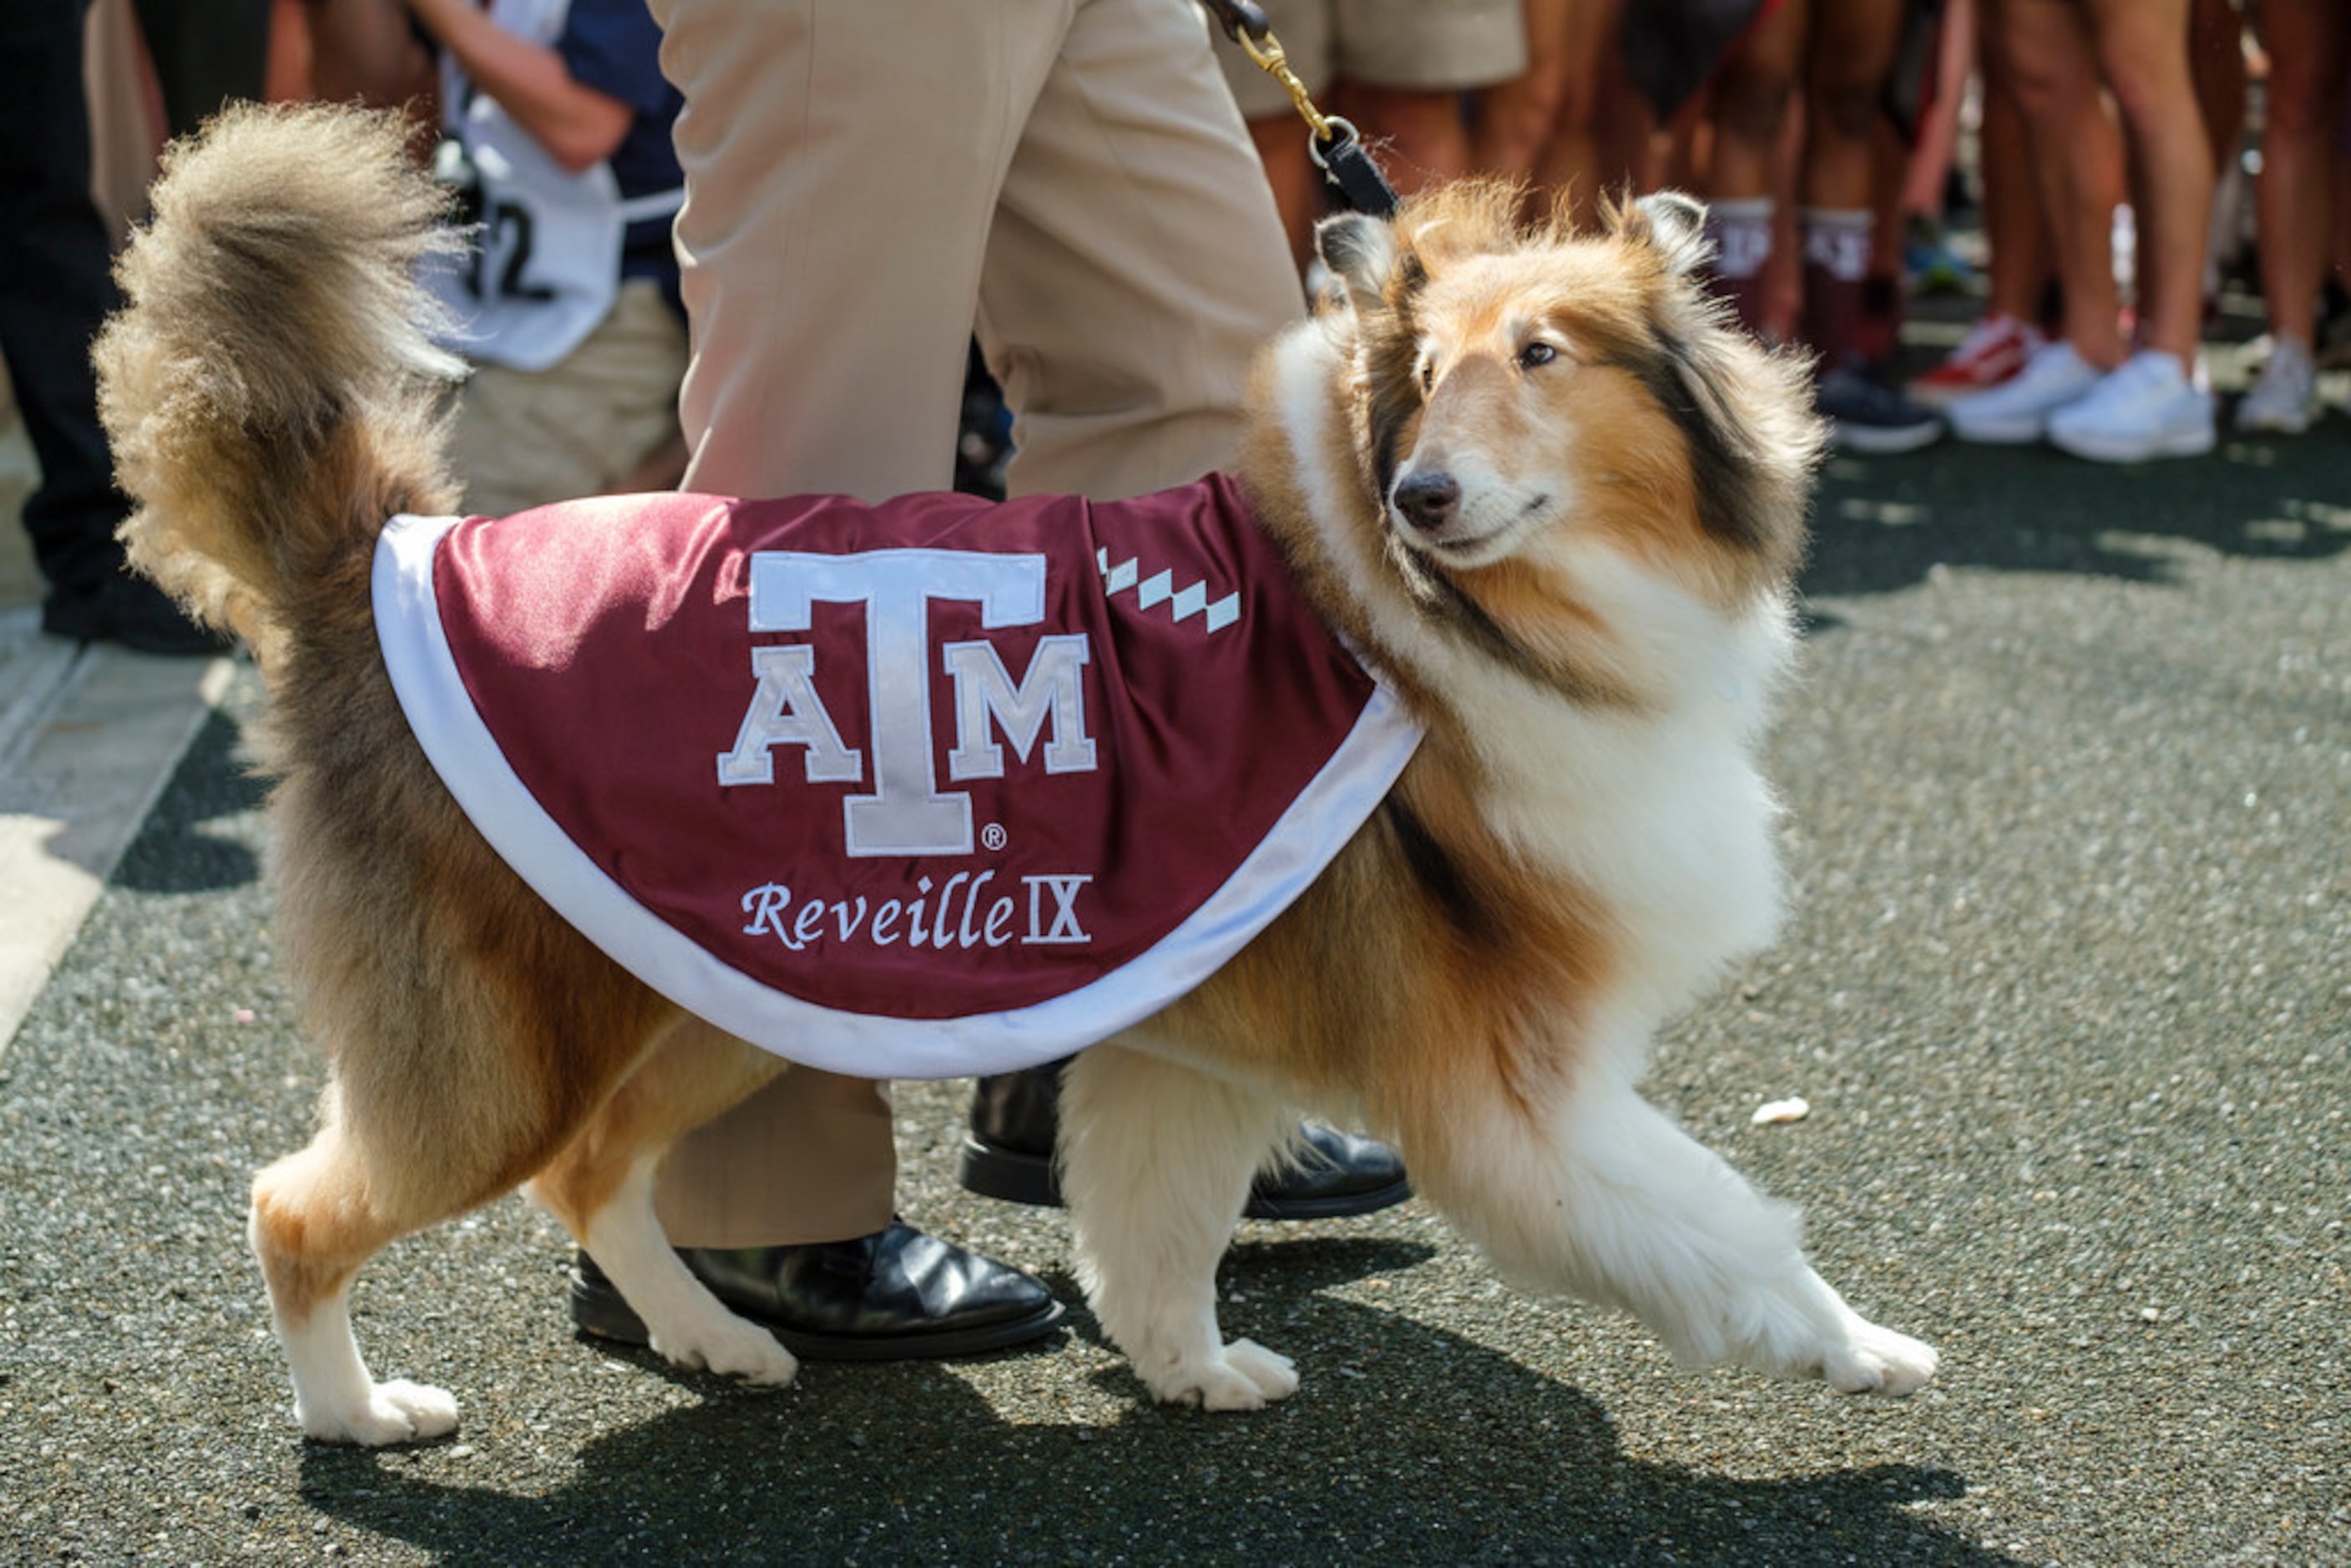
[869,182]
[583,427]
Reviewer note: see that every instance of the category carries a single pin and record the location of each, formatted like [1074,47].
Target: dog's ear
[1360,251]
[1669,222]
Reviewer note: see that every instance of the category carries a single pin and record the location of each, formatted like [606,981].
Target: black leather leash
[1334,144]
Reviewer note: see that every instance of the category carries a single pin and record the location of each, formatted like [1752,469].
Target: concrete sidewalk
[87,736]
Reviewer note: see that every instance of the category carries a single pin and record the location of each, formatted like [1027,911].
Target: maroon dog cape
[922,790]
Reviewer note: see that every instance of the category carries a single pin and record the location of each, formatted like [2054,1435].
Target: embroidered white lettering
[1054,687]
[1065,926]
[916,932]
[848,923]
[786,711]
[939,934]
[914,923]
[907,813]
[765,905]
[965,935]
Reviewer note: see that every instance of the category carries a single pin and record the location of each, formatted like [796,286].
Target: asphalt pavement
[2067,988]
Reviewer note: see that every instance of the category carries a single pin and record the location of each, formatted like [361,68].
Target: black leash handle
[1335,146]
[1349,166]
[1238,16]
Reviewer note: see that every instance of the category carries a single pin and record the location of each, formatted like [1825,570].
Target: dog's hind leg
[316,1218]
[1602,1197]
[1156,1163]
[601,1188]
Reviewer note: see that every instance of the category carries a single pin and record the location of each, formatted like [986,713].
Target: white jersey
[544,269]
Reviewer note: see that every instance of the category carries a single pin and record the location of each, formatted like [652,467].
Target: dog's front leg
[601,1184]
[1156,1161]
[1601,1196]
[684,1324]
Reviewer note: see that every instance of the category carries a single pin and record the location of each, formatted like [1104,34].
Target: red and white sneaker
[1994,350]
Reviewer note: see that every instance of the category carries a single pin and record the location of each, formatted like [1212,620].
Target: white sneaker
[2147,406]
[2284,398]
[2018,410]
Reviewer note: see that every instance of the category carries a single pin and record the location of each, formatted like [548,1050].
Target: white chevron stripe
[1160,588]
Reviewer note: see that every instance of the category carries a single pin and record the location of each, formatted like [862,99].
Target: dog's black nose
[1428,499]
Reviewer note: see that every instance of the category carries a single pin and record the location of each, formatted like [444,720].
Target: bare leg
[2305,39]
[2142,49]
[2046,54]
[1427,141]
[1517,119]
[2014,224]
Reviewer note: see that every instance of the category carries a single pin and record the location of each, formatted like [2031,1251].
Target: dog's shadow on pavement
[1443,1451]
[175,850]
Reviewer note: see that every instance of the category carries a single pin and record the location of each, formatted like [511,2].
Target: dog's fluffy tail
[272,388]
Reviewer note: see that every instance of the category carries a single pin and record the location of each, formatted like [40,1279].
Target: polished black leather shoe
[1009,1154]
[895,1295]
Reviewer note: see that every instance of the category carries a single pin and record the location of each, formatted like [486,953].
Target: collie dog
[1534,479]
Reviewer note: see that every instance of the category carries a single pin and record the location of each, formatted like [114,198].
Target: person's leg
[830,247]
[2045,57]
[1297,184]
[815,1163]
[2305,40]
[2015,229]
[206,53]
[2294,203]
[1421,137]
[1517,120]
[56,285]
[2154,404]
[1135,265]
[1590,156]
[1134,273]
[2017,267]
[2038,54]
[833,229]
[1750,101]
[1847,57]
[2216,62]
[524,438]
[1404,67]
[2142,51]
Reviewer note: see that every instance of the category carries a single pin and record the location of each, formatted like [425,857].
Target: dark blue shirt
[613,47]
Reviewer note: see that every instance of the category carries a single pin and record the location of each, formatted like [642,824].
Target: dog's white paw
[1242,1376]
[733,1348]
[397,1412]
[1873,1360]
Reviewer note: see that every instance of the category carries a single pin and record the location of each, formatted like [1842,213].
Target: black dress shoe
[895,1295]
[133,612]
[1009,1154]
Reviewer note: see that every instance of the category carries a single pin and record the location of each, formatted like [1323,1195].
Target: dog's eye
[1427,376]
[1535,354]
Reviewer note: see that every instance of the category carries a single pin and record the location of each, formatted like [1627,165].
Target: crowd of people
[1824,134]
[1104,209]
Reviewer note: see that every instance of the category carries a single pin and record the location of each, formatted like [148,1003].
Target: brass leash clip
[1334,144]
